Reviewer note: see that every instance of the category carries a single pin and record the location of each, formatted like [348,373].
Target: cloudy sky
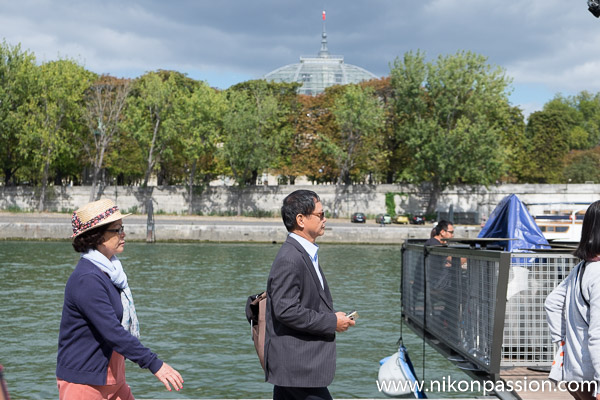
[545,46]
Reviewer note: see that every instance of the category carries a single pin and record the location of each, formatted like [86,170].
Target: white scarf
[114,269]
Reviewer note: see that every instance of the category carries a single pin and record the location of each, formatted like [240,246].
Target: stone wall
[370,199]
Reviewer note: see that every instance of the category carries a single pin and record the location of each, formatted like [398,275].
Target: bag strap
[580,278]
[582,270]
[258,298]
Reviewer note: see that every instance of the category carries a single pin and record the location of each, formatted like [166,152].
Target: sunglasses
[321,215]
[119,231]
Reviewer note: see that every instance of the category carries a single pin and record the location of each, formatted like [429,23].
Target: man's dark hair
[442,226]
[90,239]
[589,245]
[297,202]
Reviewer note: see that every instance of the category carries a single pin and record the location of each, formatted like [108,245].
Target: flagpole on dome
[324,53]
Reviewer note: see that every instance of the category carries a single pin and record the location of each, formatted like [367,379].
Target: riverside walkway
[57,226]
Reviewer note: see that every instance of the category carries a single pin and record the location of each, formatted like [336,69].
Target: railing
[486,306]
[526,339]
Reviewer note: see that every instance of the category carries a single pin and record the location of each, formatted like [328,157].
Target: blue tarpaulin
[511,219]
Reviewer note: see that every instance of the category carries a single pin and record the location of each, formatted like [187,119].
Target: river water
[190,300]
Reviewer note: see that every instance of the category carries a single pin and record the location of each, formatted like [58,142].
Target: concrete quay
[57,226]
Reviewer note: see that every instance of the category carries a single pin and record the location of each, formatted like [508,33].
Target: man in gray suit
[300,320]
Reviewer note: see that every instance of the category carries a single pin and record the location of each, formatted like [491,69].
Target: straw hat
[95,214]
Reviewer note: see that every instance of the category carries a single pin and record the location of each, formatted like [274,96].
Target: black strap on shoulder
[582,270]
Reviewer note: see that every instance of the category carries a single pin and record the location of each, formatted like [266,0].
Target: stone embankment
[469,204]
[57,226]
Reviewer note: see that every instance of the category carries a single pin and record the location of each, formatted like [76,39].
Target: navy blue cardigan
[90,329]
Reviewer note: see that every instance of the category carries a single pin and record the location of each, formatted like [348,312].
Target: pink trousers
[115,389]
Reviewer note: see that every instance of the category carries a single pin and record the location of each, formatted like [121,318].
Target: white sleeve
[554,310]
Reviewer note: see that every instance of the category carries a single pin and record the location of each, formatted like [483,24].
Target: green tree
[582,166]
[200,119]
[315,120]
[105,103]
[281,130]
[572,119]
[17,80]
[54,116]
[254,129]
[512,132]
[544,147]
[393,155]
[150,117]
[360,119]
[581,114]
[125,160]
[589,106]
[248,144]
[448,117]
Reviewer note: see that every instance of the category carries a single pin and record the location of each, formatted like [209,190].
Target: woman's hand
[169,376]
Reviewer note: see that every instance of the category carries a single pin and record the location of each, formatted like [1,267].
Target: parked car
[400,219]
[417,220]
[358,217]
[383,219]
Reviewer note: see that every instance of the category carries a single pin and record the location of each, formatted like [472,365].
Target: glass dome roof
[317,73]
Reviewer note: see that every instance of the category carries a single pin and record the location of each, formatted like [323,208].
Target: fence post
[150,234]
[499,314]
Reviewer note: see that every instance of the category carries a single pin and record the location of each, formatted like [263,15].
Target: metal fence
[526,339]
[486,306]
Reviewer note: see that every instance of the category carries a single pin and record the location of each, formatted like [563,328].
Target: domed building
[320,72]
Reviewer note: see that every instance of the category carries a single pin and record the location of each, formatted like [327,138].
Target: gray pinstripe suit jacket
[300,322]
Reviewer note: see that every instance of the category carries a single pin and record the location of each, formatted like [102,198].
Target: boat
[559,222]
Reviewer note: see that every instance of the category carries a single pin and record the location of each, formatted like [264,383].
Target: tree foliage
[255,128]
[393,155]
[583,166]
[544,145]
[360,118]
[151,119]
[105,103]
[441,122]
[200,117]
[54,116]
[316,121]
[448,117]
[581,114]
[17,86]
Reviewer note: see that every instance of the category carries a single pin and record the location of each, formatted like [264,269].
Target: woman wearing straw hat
[99,326]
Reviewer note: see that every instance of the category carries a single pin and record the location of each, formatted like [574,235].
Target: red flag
[323,15]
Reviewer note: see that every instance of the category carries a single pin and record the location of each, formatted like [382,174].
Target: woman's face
[113,240]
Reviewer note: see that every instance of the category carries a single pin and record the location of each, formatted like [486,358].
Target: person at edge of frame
[573,315]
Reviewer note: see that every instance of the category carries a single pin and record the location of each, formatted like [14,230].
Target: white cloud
[549,43]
